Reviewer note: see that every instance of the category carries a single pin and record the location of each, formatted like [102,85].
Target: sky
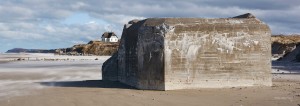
[50,24]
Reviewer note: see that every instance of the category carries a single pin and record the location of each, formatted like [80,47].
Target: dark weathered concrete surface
[110,68]
[188,53]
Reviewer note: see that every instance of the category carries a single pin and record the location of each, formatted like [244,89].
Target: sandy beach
[49,80]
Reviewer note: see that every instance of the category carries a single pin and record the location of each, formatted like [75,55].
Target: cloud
[32,22]
[15,35]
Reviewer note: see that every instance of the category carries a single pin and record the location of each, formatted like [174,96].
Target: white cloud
[18,35]
[78,42]
[3,27]
[78,5]
[50,28]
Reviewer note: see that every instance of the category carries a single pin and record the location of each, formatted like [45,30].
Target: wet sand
[78,83]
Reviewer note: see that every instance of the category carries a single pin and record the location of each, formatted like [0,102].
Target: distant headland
[108,45]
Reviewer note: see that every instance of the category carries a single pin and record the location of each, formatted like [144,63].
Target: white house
[109,37]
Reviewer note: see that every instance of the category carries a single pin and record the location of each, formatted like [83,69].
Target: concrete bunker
[190,53]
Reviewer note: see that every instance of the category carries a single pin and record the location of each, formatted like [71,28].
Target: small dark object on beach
[96,59]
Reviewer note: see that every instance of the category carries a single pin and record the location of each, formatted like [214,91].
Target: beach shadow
[88,84]
[293,67]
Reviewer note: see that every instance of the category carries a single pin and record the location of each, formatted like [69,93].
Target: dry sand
[76,83]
